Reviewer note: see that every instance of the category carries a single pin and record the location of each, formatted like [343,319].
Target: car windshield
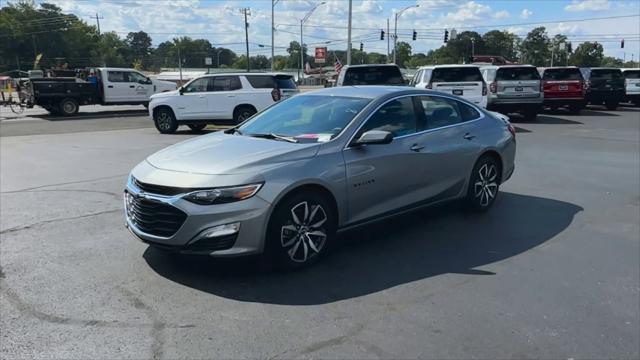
[562,74]
[518,73]
[453,74]
[373,75]
[306,118]
[632,74]
[607,74]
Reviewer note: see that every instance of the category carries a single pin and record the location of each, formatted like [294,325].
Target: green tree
[140,47]
[535,48]
[558,50]
[280,62]
[110,50]
[609,61]
[403,53]
[501,43]
[587,54]
[294,55]
[417,60]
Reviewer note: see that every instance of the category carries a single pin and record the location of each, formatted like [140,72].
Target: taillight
[493,87]
[275,95]
[512,130]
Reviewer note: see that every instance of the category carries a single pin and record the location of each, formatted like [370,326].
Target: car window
[136,77]
[312,117]
[607,74]
[116,76]
[427,75]
[373,75]
[226,83]
[453,74]
[489,74]
[285,82]
[632,74]
[517,73]
[198,85]
[562,74]
[440,112]
[397,116]
[416,77]
[261,81]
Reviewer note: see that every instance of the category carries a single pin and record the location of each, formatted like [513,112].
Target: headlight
[223,195]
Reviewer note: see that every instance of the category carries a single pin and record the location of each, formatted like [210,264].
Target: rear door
[116,86]
[562,83]
[464,81]
[518,82]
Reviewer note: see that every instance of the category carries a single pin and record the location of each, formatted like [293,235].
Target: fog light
[221,230]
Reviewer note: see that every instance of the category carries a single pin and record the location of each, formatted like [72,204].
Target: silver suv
[514,89]
[286,180]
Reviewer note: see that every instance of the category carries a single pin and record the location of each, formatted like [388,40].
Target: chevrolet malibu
[285,181]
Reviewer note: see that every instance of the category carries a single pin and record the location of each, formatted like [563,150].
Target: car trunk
[466,82]
[606,80]
[563,83]
[518,83]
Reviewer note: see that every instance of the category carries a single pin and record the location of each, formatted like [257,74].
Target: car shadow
[544,119]
[417,246]
[92,115]
[589,111]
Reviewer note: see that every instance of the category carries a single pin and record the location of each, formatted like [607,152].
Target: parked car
[514,89]
[563,87]
[604,86]
[632,85]
[371,74]
[461,80]
[109,86]
[211,98]
[286,180]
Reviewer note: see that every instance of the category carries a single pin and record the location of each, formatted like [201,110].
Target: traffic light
[622,44]
[415,35]
[381,34]
[446,35]
[361,46]
[569,48]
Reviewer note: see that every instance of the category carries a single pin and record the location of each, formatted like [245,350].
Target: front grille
[159,189]
[154,217]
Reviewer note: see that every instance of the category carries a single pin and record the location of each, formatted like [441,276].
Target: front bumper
[251,214]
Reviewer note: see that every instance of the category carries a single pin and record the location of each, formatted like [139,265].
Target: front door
[192,104]
[224,97]
[140,87]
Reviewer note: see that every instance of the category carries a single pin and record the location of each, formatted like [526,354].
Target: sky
[222,22]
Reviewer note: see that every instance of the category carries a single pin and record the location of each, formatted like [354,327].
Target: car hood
[165,94]
[223,154]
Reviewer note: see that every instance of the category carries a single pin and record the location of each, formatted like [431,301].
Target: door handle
[201,96]
[132,86]
[416,147]
[468,136]
[231,96]
[110,86]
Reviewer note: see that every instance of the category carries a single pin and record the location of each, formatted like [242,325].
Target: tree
[376,58]
[403,53]
[609,61]
[294,55]
[558,50]
[535,47]
[587,54]
[417,60]
[279,62]
[140,46]
[110,50]
[501,43]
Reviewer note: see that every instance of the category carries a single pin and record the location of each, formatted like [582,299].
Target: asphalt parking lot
[553,271]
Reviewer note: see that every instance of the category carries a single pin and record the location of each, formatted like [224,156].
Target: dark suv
[604,86]
[563,87]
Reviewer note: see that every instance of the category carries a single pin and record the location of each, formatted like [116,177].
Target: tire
[52,109]
[530,115]
[611,105]
[68,107]
[575,109]
[165,121]
[242,113]
[484,184]
[197,128]
[297,242]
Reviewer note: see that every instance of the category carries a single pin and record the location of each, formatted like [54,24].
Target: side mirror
[143,82]
[374,137]
[181,90]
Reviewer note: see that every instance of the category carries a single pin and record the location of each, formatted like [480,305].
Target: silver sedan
[285,181]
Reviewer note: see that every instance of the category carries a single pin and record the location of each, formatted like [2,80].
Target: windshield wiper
[275,137]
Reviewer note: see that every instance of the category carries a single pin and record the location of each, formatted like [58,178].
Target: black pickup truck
[604,86]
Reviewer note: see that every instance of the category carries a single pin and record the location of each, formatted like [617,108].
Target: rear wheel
[575,109]
[611,104]
[197,127]
[484,184]
[68,107]
[165,121]
[530,115]
[243,113]
[300,230]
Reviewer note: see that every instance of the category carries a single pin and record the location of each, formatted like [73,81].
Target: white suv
[212,98]
[464,81]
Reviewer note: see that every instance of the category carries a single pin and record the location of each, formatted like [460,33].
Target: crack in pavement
[117,195]
[43,222]
[68,183]
[157,327]
[319,345]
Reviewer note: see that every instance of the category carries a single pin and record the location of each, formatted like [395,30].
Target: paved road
[551,272]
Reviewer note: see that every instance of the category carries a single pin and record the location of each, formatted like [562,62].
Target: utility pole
[273,29]
[246,12]
[302,21]
[180,65]
[98,21]
[388,43]
[349,35]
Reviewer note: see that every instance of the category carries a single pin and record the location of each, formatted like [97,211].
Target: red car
[563,87]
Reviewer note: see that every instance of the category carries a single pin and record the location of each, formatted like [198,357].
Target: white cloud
[588,5]
[502,14]
[526,13]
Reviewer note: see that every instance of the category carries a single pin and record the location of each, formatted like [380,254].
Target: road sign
[321,55]
[208,61]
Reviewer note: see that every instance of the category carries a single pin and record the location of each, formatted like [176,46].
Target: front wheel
[611,105]
[484,184]
[300,230]
[165,121]
[68,107]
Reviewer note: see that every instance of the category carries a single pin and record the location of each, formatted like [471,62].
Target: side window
[198,85]
[440,112]
[397,116]
[467,112]
[261,81]
[226,83]
[426,77]
[416,77]
[116,76]
[135,77]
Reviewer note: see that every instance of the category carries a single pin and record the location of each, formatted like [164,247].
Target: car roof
[248,73]
[370,65]
[506,66]
[603,68]
[630,69]
[448,66]
[370,91]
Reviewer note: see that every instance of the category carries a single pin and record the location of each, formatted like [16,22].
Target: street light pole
[302,21]
[273,30]
[349,36]
[395,30]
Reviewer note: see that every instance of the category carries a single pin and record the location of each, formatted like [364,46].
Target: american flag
[338,65]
